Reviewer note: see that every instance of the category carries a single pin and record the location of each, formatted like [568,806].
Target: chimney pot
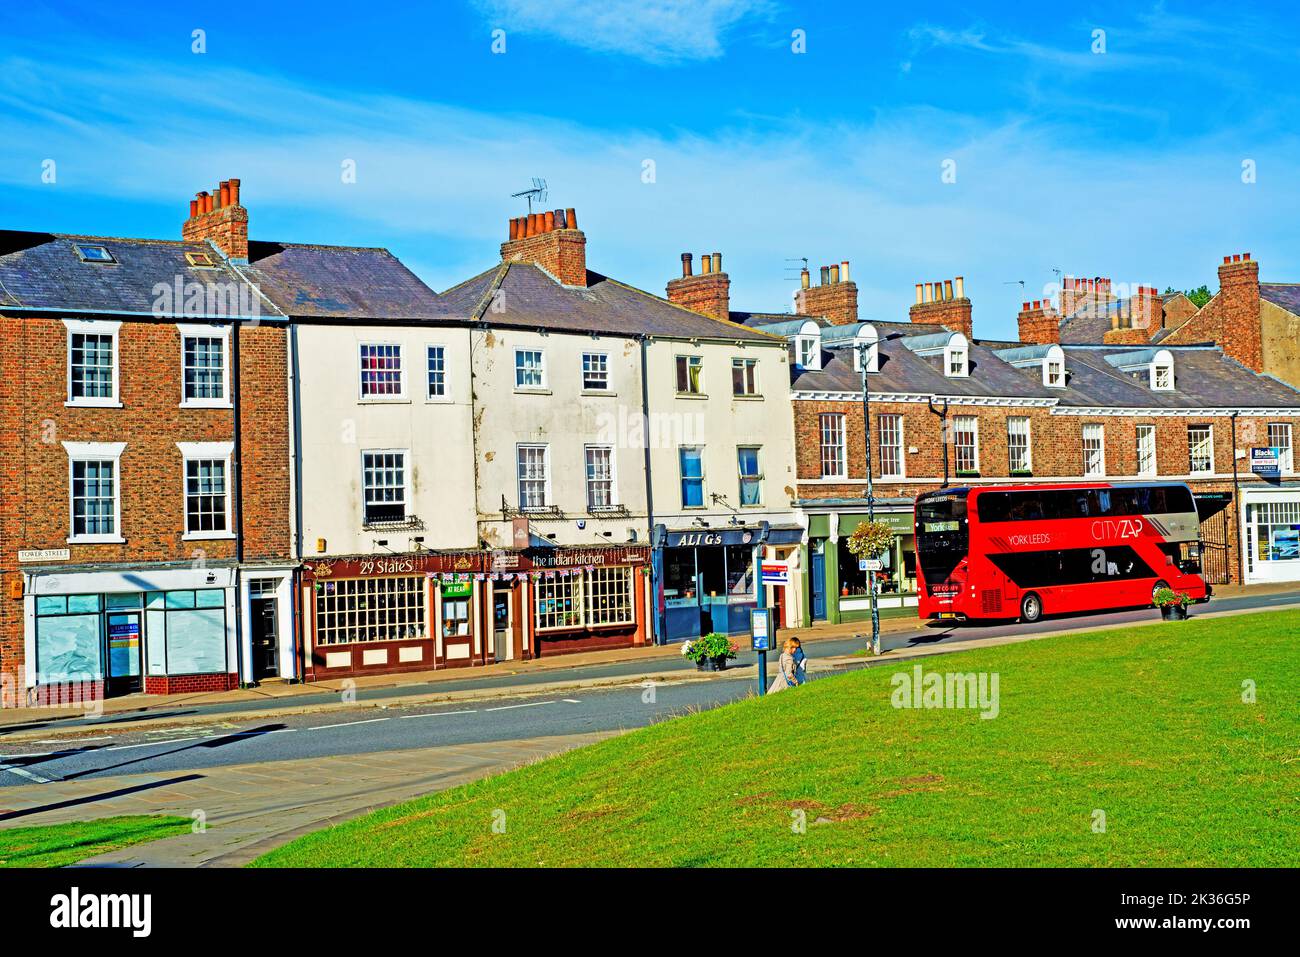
[805,280]
[920,291]
[835,275]
[686,264]
[570,218]
[1245,257]
[194,208]
[844,271]
[1024,307]
[513,229]
[717,262]
[961,287]
[947,289]
[706,264]
[560,221]
[549,223]
[825,275]
[929,292]
[225,192]
[234,192]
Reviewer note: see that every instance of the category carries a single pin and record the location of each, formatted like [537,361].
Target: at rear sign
[776,573]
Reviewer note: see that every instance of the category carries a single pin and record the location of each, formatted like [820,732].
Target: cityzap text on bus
[1027,551]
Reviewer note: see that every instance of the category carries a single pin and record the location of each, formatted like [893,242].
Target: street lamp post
[863,352]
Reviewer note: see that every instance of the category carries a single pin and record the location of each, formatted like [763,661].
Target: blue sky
[1118,154]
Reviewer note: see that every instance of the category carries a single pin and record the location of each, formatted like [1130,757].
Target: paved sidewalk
[45,720]
[251,808]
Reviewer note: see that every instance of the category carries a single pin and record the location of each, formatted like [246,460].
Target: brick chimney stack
[1137,318]
[1241,335]
[1039,323]
[1076,294]
[835,298]
[943,303]
[218,217]
[553,241]
[707,292]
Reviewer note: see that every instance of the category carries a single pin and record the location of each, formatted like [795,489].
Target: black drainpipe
[943,435]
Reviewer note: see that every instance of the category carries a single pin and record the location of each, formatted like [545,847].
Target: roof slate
[1284,294]
[43,271]
[531,298]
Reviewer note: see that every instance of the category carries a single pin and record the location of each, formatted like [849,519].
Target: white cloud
[658,31]
[433,184]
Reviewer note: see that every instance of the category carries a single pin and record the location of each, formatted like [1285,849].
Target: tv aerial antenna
[795,259]
[536,192]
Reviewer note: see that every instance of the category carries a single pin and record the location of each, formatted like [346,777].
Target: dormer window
[866,343]
[808,346]
[956,357]
[1162,372]
[1054,368]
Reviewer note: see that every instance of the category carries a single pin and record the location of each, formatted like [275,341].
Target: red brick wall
[561,252]
[955,315]
[226,227]
[1039,323]
[34,471]
[708,293]
[837,301]
[1231,318]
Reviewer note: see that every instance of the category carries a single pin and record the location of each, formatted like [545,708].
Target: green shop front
[837,587]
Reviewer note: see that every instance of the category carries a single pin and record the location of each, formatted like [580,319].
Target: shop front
[839,588]
[158,630]
[579,599]
[1271,533]
[707,578]
[383,614]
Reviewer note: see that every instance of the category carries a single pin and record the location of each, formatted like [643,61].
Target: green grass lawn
[1146,724]
[54,845]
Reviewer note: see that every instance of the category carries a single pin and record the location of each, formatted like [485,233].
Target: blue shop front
[705,579]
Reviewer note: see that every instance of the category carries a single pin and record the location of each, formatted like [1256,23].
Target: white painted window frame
[97,452]
[94,327]
[200,331]
[207,451]
[402,371]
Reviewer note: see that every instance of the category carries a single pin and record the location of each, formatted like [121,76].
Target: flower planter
[1173,612]
[706,664]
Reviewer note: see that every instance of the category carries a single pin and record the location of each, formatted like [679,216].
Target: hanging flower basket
[871,539]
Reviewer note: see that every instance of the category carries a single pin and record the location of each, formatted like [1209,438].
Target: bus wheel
[1031,608]
[1156,587]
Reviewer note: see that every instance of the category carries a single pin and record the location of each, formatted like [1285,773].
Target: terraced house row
[228,461]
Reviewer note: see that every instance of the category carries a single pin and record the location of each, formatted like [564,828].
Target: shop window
[559,602]
[1277,530]
[369,609]
[455,609]
[712,564]
[194,631]
[68,639]
[609,596]
[740,570]
[679,573]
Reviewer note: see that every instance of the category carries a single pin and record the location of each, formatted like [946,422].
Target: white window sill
[438,400]
[384,400]
[97,540]
[747,398]
[92,404]
[692,395]
[206,404]
[207,536]
[531,390]
[600,392]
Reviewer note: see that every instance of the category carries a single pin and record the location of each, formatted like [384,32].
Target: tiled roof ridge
[696,315]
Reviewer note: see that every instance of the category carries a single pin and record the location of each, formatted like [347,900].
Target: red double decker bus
[1028,550]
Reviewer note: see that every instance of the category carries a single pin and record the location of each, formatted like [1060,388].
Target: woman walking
[800,662]
[785,671]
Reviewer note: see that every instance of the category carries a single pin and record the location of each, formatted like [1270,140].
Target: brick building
[949,407]
[144,501]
